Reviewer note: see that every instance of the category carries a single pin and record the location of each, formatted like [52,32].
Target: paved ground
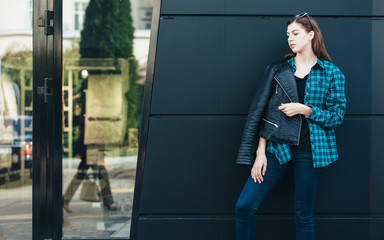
[88,220]
[17,230]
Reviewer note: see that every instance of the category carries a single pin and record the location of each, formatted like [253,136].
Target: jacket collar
[285,77]
[291,63]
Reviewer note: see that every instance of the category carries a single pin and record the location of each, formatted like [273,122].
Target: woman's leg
[306,179]
[105,186]
[252,195]
[76,181]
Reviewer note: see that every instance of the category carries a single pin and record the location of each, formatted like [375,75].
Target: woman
[304,95]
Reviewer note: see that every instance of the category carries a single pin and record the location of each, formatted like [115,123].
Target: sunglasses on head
[301,15]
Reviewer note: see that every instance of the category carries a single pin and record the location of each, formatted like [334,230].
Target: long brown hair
[318,46]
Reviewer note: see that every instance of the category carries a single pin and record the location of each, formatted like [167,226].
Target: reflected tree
[108,33]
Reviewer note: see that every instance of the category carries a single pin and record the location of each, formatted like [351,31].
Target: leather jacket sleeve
[250,138]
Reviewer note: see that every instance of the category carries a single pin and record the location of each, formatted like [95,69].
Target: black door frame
[47,202]
[47,216]
[146,112]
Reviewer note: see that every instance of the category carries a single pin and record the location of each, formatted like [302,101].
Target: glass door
[70,102]
[101,114]
[16,119]
[100,150]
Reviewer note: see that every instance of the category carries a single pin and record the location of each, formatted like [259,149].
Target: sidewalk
[88,220]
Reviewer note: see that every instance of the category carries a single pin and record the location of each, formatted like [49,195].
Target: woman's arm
[260,166]
[292,109]
[335,104]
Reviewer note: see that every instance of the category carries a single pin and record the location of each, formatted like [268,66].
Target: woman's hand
[292,109]
[259,168]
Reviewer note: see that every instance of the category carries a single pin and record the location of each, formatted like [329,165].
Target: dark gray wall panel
[211,65]
[344,185]
[210,55]
[192,7]
[271,228]
[186,228]
[377,7]
[188,67]
[190,166]
[376,228]
[377,166]
[269,7]
[193,158]
[342,227]
[246,41]
[274,7]
[377,66]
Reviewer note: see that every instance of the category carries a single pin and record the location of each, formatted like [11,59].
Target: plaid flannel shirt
[324,93]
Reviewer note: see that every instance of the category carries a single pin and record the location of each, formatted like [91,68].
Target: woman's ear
[311,35]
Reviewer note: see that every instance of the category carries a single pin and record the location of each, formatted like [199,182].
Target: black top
[305,142]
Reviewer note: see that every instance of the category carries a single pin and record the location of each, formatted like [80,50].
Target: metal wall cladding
[190,166]
[337,192]
[190,169]
[271,228]
[206,228]
[377,7]
[212,65]
[209,59]
[376,228]
[273,7]
[208,65]
[377,166]
[377,66]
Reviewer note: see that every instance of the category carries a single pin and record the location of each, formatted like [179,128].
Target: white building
[16,33]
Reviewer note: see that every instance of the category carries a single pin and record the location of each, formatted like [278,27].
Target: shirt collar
[291,63]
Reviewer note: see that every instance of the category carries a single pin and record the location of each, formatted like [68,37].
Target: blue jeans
[306,179]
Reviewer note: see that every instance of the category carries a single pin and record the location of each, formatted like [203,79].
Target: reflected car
[15,144]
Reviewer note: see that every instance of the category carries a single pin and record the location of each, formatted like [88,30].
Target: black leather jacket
[278,85]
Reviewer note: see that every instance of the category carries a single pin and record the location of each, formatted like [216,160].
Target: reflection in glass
[100,150]
[15,120]
[101,115]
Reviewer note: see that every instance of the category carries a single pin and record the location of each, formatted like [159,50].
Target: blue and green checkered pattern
[324,92]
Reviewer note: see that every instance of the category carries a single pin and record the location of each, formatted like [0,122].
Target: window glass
[104,76]
[16,120]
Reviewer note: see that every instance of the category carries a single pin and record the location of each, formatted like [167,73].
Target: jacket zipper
[274,124]
[298,139]
[282,88]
